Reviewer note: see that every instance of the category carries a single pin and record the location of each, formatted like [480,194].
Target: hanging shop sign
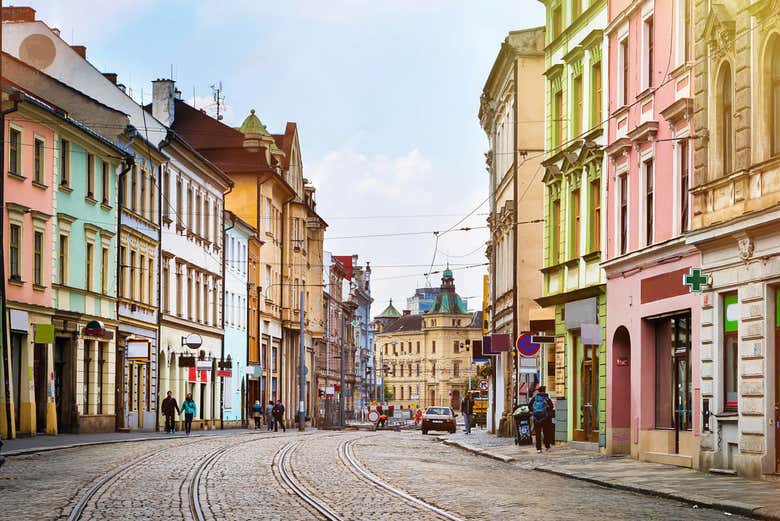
[203,365]
[192,341]
[44,333]
[95,328]
[226,373]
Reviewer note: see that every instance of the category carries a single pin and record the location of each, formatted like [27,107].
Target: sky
[385,94]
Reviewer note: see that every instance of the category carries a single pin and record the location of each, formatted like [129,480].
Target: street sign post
[542,339]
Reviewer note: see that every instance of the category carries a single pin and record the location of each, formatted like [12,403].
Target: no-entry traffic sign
[483,385]
[526,347]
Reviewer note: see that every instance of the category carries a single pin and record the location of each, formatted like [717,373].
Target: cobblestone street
[312,475]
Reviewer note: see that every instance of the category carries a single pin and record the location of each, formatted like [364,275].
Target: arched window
[774,93]
[725,117]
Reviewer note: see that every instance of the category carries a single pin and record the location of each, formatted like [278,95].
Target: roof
[253,125]
[476,320]
[389,312]
[405,323]
[346,261]
[285,142]
[448,303]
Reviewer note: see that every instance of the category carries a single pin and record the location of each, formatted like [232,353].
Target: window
[433,346]
[38,259]
[558,118]
[121,275]
[577,129]
[575,222]
[649,43]
[134,189]
[87,359]
[15,246]
[90,264]
[150,275]
[649,202]
[725,124]
[38,152]
[105,270]
[684,184]
[455,347]
[623,216]
[90,176]
[730,352]
[15,152]
[555,216]
[595,116]
[190,208]
[673,373]
[101,353]
[595,212]
[456,368]
[166,192]
[106,182]
[142,205]
[133,275]
[179,208]
[418,369]
[624,72]
[557,21]
[774,86]
[141,278]
[63,260]
[206,219]
[418,347]
[687,28]
[179,291]
[152,197]
[64,162]
[268,216]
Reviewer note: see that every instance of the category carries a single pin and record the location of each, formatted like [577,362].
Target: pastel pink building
[653,391]
[28,242]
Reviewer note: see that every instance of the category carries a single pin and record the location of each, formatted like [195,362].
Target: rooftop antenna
[219,99]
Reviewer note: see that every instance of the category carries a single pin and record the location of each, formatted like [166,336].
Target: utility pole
[382,368]
[341,370]
[302,376]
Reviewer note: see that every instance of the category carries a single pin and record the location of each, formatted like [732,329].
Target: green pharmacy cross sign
[695,280]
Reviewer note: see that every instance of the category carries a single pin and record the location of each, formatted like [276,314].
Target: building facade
[238,235]
[734,222]
[427,358]
[573,282]
[512,116]
[652,318]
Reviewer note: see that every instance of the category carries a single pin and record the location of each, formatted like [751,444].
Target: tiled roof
[389,312]
[405,323]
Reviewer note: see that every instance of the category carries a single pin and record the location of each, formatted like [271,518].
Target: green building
[574,230]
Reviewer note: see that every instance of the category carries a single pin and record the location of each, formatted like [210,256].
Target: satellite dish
[193,341]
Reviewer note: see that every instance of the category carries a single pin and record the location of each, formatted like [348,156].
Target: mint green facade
[574,231]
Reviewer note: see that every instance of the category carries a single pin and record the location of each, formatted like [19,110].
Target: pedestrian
[543,412]
[257,413]
[417,417]
[467,408]
[169,407]
[190,410]
[278,413]
[269,415]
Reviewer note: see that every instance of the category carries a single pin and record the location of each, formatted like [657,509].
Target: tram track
[347,456]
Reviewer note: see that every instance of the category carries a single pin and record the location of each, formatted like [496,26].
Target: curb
[732,507]
[35,450]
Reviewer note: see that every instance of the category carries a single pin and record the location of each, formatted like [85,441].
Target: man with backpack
[543,412]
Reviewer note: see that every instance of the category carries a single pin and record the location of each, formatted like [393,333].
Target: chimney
[18,14]
[163,101]
[407,312]
[81,50]
[111,76]
[122,87]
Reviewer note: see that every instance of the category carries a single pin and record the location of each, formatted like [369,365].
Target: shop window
[673,373]
[730,352]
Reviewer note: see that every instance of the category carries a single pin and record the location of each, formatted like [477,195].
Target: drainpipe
[4,319]
[222,345]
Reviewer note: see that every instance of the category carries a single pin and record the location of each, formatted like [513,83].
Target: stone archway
[620,405]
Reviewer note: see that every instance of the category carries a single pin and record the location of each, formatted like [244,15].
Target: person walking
[269,415]
[467,409]
[278,413]
[543,412]
[257,413]
[190,410]
[168,408]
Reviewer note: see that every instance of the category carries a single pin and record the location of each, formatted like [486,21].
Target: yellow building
[427,358]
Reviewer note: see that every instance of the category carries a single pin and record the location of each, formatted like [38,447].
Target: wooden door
[41,376]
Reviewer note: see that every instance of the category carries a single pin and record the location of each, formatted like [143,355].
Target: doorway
[63,387]
[619,412]
[41,379]
[17,343]
[119,391]
[588,392]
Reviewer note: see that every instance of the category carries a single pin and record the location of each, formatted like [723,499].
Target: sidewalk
[44,442]
[758,499]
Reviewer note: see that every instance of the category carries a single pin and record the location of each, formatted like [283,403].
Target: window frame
[595,214]
[725,115]
[772,67]
[39,160]
[90,176]
[63,259]
[15,159]
[622,213]
[89,254]
[648,175]
[15,252]
[576,222]
[65,163]
[105,181]
[623,71]
[648,50]
[38,257]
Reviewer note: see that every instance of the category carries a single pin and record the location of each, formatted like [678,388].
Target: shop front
[653,387]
